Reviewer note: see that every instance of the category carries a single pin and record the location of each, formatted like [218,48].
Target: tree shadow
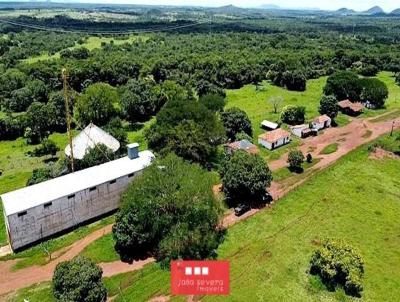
[297,170]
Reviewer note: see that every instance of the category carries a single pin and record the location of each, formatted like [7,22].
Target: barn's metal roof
[88,139]
[268,124]
[30,197]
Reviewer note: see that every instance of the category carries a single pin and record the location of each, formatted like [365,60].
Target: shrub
[243,136]
[293,115]
[337,263]
[47,147]
[329,106]
[97,155]
[295,160]
[79,280]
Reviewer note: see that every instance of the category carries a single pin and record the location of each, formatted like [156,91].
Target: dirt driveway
[348,138]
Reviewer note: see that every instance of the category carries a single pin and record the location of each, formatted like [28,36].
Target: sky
[387,5]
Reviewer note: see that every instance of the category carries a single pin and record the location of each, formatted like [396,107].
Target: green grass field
[270,252]
[91,43]
[332,148]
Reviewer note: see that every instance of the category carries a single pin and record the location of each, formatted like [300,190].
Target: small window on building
[47,205]
[93,189]
[71,196]
[131,175]
[21,214]
[113,181]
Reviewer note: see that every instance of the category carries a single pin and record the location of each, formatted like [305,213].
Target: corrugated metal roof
[88,139]
[30,197]
[269,124]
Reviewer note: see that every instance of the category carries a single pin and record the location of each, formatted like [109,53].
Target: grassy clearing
[389,143]
[332,148]
[270,252]
[285,173]
[91,43]
[102,250]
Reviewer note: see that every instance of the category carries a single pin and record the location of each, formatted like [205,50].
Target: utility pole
[64,74]
[391,132]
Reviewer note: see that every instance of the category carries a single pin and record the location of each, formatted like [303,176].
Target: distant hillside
[270,6]
[345,11]
[396,12]
[229,10]
[375,11]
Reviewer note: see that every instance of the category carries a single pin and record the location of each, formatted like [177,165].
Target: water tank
[133,150]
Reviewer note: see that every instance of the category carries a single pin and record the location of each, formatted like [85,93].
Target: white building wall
[277,144]
[64,213]
[320,126]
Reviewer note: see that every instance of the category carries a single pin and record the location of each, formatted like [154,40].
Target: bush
[338,264]
[79,280]
[95,156]
[185,214]
[243,136]
[329,106]
[295,160]
[293,115]
[245,177]
[47,147]
[235,121]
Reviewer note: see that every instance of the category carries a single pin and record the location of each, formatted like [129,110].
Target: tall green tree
[344,85]
[374,91]
[329,106]
[96,104]
[235,121]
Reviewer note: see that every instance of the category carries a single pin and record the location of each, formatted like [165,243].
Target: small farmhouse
[350,108]
[88,139]
[274,139]
[302,131]
[267,125]
[37,212]
[244,145]
[321,122]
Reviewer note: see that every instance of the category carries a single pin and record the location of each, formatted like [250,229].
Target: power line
[127,32]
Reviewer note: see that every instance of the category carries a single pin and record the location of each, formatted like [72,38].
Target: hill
[345,11]
[374,11]
[270,6]
[228,10]
[396,12]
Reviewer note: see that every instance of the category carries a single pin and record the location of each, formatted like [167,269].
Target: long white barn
[40,211]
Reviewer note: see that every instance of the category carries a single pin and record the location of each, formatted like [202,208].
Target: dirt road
[348,138]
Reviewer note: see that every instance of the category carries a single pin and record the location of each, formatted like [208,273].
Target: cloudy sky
[387,5]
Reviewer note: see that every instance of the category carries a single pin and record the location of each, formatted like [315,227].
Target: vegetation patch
[332,148]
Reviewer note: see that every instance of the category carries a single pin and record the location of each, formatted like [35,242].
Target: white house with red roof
[274,139]
[321,122]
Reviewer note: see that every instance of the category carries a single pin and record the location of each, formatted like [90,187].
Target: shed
[350,108]
[88,139]
[274,139]
[46,209]
[302,131]
[321,122]
[269,125]
[244,145]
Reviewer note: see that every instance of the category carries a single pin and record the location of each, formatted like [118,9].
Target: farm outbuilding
[88,139]
[302,131]
[267,125]
[350,108]
[321,122]
[274,139]
[244,145]
[43,210]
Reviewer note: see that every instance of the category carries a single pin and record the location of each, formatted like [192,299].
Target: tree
[344,85]
[235,121]
[295,160]
[337,263]
[187,128]
[116,129]
[79,280]
[96,104]
[47,147]
[203,88]
[294,80]
[19,100]
[213,102]
[185,214]
[245,177]
[276,103]
[243,136]
[293,115]
[374,91]
[37,117]
[95,156]
[329,106]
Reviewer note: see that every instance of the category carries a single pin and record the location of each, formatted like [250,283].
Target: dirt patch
[380,154]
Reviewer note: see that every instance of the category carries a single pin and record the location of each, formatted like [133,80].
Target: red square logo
[200,277]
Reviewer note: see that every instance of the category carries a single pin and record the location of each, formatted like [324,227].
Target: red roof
[356,107]
[322,119]
[274,136]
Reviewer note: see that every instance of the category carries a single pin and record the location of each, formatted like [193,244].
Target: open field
[91,43]
[270,252]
